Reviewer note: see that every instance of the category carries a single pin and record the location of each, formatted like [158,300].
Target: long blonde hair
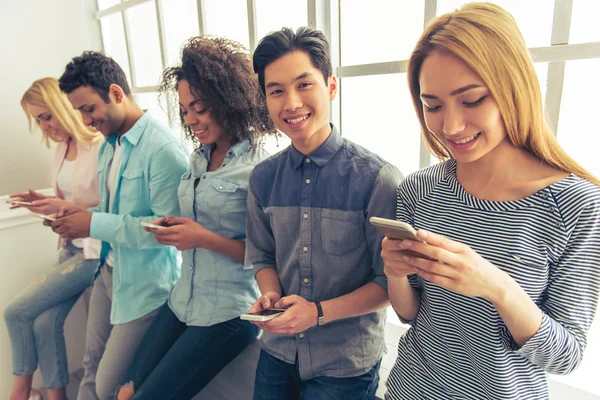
[46,93]
[486,38]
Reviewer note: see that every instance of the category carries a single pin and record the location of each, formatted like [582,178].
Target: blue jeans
[279,380]
[175,361]
[36,317]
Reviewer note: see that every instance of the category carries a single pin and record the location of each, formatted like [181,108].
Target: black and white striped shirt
[458,347]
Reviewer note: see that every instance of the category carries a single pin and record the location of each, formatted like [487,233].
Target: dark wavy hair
[95,70]
[279,43]
[220,72]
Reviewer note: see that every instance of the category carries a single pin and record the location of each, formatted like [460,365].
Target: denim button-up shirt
[308,219]
[152,161]
[214,288]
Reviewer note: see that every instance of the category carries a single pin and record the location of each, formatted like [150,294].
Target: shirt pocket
[222,193]
[131,183]
[341,231]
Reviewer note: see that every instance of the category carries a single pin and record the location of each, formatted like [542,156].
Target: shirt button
[305,249]
[301,335]
[306,280]
[551,209]
[307,160]
[220,187]
[308,181]
[305,216]
[191,268]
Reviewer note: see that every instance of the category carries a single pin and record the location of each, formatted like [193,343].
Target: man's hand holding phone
[300,314]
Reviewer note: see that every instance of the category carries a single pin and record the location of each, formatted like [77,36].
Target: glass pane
[272,15]
[576,132]
[150,101]
[227,18]
[541,70]
[377,113]
[180,19]
[104,4]
[388,30]
[145,47]
[584,22]
[113,37]
[534,17]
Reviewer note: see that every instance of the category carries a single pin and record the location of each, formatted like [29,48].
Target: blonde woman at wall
[36,317]
[513,221]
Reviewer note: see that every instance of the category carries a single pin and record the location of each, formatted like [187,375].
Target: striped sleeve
[571,299]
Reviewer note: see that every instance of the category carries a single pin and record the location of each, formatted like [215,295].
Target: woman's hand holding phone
[25,197]
[459,268]
[182,233]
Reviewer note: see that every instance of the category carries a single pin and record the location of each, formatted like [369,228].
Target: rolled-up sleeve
[571,300]
[381,204]
[260,242]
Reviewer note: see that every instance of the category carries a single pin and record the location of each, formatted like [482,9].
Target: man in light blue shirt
[139,169]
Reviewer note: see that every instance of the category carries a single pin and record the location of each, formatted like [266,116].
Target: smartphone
[394,229]
[42,216]
[152,226]
[19,202]
[264,315]
[398,230]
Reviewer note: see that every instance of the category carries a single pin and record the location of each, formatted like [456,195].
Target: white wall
[37,39]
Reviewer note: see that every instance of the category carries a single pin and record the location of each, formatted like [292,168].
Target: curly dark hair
[95,70]
[220,72]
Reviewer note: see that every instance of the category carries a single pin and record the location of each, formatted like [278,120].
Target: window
[584,22]
[577,128]
[377,113]
[144,41]
[380,30]
[272,15]
[180,22]
[227,18]
[104,4]
[113,36]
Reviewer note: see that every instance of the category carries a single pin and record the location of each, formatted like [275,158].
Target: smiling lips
[297,121]
[464,143]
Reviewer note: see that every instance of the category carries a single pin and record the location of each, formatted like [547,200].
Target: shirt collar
[323,154]
[133,135]
[235,150]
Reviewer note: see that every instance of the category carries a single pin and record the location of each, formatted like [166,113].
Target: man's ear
[332,87]
[116,93]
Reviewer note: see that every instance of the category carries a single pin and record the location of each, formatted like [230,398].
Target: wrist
[319,317]
[500,289]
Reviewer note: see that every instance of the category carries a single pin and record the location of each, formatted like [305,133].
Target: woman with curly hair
[198,332]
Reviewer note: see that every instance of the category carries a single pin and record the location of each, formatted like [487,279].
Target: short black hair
[277,44]
[219,71]
[95,70]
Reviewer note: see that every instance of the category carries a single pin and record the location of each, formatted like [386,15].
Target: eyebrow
[454,93]
[304,75]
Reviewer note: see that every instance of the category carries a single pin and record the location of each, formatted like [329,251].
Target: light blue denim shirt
[214,288]
[144,271]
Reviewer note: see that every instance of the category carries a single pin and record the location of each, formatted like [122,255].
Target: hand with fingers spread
[182,233]
[28,197]
[299,316]
[47,206]
[459,268]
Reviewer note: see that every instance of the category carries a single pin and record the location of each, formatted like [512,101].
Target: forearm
[268,281]
[404,299]
[364,300]
[231,248]
[520,314]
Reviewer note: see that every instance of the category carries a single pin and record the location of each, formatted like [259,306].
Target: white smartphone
[264,315]
[152,226]
[19,202]
[43,216]
[394,229]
